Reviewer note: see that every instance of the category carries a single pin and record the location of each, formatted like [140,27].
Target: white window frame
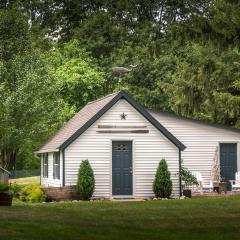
[45,165]
[56,165]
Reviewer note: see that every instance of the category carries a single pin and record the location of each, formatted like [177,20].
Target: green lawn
[26,180]
[208,218]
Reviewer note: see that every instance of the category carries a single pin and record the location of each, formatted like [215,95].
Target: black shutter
[58,166]
[54,161]
[47,165]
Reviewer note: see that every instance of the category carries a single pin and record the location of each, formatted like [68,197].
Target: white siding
[50,181]
[201,141]
[148,150]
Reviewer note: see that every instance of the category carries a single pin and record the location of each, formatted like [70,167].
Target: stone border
[67,193]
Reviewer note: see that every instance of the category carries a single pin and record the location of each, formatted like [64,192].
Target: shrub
[188,178]
[32,193]
[162,186]
[86,181]
[15,189]
[4,188]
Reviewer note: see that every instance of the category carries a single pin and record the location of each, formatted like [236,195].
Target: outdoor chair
[236,183]
[208,187]
[201,186]
[199,178]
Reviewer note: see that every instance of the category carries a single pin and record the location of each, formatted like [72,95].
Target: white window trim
[56,166]
[45,165]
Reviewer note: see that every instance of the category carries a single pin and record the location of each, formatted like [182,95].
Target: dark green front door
[122,168]
[228,161]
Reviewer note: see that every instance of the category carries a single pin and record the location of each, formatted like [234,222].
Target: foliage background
[55,56]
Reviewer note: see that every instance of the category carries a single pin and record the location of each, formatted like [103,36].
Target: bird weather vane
[122,70]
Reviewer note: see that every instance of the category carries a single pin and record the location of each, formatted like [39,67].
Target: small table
[223,187]
[216,187]
[220,187]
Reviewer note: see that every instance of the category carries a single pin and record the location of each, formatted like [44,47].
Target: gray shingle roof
[89,114]
[75,123]
[158,116]
[93,110]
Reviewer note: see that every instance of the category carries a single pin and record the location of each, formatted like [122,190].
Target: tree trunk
[8,159]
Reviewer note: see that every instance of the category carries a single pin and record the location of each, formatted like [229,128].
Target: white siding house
[49,179]
[202,141]
[148,150]
[115,130]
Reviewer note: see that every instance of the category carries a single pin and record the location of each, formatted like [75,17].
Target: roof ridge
[109,95]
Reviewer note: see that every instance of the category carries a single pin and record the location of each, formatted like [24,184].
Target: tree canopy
[55,56]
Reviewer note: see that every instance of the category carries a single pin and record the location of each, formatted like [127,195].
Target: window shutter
[42,164]
[54,161]
[47,165]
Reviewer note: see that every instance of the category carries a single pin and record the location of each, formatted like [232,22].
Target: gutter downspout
[180,178]
[41,168]
[63,168]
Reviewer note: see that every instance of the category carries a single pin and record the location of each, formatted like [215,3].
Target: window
[56,165]
[121,147]
[45,165]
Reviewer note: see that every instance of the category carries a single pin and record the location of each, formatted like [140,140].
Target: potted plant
[5,195]
[189,180]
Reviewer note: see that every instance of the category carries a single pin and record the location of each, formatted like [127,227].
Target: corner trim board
[180,178]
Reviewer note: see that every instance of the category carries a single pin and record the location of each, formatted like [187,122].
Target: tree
[86,181]
[162,186]
[55,56]
[206,85]
[219,25]
[77,75]
[30,106]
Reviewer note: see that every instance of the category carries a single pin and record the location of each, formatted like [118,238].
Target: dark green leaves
[86,181]
[162,185]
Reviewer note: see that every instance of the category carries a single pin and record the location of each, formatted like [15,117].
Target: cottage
[4,175]
[125,142]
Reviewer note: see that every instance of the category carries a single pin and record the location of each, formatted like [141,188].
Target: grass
[203,218]
[25,180]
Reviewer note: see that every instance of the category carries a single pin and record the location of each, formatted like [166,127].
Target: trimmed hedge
[86,181]
[162,186]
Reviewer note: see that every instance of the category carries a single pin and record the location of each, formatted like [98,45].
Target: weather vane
[122,70]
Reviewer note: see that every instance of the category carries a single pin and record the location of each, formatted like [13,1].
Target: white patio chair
[208,187]
[236,182]
[202,186]
[199,178]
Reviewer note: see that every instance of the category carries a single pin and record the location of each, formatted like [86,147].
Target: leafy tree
[77,75]
[219,25]
[162,186]
[30,106]
[55,56]
[86,181]
[206,85]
